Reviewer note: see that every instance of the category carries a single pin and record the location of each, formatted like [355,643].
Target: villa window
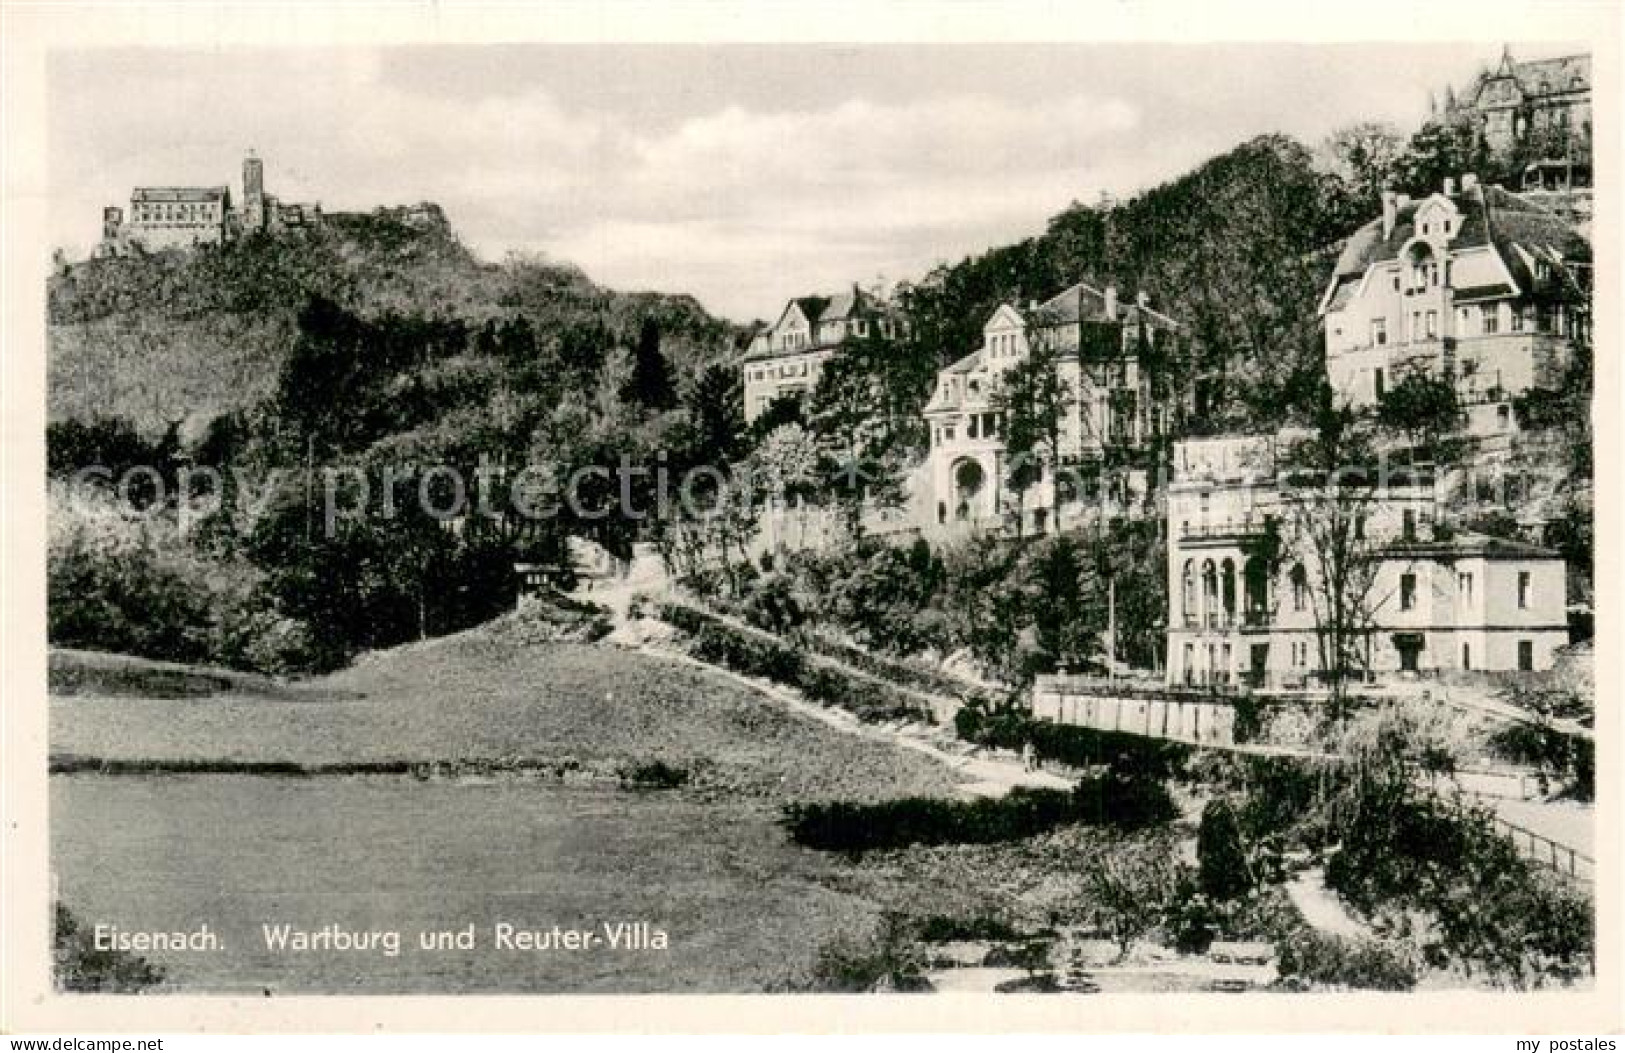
[1407,592]
[1300,588]
[1526,656]
[1467,656]
[1490,320]
[1432,324]
[1464,585]
[1517,320]
[1525,590]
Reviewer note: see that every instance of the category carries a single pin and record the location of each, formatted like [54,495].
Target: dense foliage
[1016,609]
[373,492]
[1109,800]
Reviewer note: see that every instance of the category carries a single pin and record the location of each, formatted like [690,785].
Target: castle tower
[253,193]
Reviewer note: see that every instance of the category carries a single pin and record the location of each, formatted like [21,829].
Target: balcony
[1247,528]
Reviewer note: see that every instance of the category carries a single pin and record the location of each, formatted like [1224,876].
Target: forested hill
[1238,250]
[192,335]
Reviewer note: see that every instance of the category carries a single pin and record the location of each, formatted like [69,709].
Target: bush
[1335,961]
[1008,725]
[81,967]
[1221,858]
[654,775]
[887,961]
[1492,910]
[942,928]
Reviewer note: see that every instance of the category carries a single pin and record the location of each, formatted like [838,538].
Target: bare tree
[1130,886]
[1031,399]
[1328,497]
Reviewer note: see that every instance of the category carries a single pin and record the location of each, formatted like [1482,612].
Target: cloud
[739,206]
[743,177]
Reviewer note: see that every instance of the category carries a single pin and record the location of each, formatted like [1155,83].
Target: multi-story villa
[1104,351]
[1246,572]
[785,359]
[1473,284]
[1542,106]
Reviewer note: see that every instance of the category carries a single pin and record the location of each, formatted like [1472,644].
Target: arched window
[1187,592]
[1227,590]
[1210,594]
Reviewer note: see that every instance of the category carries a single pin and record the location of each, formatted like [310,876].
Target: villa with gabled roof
[1473,284]
[1104,350]
[785,359]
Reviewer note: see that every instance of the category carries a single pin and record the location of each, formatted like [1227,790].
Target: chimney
[1111,303]
[1449,186]
[1469,182]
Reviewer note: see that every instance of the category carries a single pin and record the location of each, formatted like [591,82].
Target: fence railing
[1566,861]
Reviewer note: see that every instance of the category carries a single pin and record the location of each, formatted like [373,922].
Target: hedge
[905,673]
[756,653]
[1010,726]
[858,827]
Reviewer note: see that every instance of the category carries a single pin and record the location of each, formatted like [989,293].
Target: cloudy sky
[743,174]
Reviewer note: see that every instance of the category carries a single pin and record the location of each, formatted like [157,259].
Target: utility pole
[1111,628]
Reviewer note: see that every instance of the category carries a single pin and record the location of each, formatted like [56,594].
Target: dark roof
[1556,74]
[1083,302]
[1490,215]
[812,306]
[1471,545]
[179,193]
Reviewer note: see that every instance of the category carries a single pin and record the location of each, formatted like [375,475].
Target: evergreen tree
[651,382]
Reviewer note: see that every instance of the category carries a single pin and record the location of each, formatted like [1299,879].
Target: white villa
[785,359]
[1244,580]
[1104,349]
[1472,284]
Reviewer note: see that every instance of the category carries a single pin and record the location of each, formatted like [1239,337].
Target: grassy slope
[477,697]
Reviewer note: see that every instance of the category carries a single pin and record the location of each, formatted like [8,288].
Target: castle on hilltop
[180,217]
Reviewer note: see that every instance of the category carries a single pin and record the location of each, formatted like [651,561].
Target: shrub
[943,928]
[654,775]
[1336,961]
[81,967]
[1008,724]
[1221,858]
[853,827]
[888,960]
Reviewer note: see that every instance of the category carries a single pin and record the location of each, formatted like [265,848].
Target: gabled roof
[1083,302]
[1536,78]
[1557,74]
[1516,228]
[969,364]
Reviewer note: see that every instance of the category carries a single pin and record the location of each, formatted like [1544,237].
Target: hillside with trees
[191,335]
[353,367]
